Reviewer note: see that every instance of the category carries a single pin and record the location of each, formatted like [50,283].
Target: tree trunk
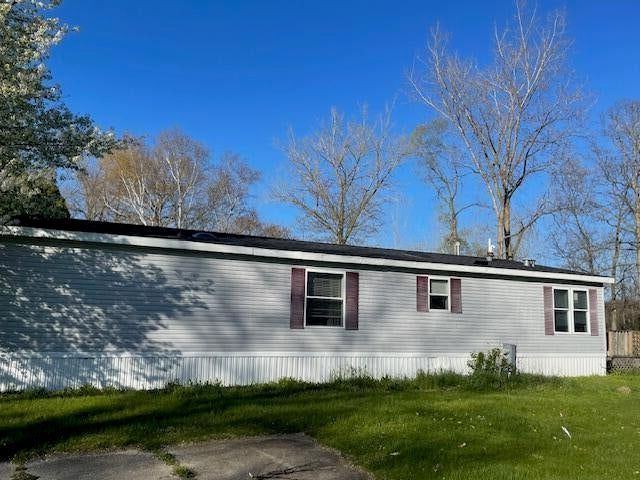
[615,258]
[340,233]
[500,236]
[506,225]
[637,238]
[453,227]
[503,242]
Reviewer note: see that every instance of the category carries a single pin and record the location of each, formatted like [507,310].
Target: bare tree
[227,194]
[171,184]
[185,170]
[340,174]
[514,116]
[84,192]
[250,224]
[616,221]
[137,187]
[620,167]
[595,226]
[578,235]
[441,163]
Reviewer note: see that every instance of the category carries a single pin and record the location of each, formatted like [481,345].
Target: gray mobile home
[132,306]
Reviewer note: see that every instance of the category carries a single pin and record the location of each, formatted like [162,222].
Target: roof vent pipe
[490,248]
[456,247]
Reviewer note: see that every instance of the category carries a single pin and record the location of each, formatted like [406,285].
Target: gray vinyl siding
[116,299]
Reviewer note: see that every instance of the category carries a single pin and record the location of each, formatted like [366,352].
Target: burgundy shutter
[297,298]
[549,327]
[593,311]
[352,287]
[456,295]
[422,294]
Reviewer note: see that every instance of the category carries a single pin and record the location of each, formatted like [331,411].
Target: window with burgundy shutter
[296,319]
[422,294]
[439,293]
[593,311]
[352,288]
[324,299]
[547,295]
[456,295]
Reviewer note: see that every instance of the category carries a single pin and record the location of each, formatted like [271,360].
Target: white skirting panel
[563,365]
[56,371]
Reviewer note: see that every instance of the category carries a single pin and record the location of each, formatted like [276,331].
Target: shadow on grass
[147,419]
[367,420]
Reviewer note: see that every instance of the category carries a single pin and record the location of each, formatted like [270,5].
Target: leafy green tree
[38,133]
[44,200]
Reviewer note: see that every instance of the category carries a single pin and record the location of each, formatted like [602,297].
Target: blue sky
[236,75]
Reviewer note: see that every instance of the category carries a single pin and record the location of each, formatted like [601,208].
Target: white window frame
[570,311]
[448,279]
[343,294]
[586,312]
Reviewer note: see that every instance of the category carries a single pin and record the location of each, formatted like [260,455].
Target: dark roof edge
[89,226]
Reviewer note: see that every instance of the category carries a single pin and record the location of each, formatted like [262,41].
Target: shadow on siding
[84,301]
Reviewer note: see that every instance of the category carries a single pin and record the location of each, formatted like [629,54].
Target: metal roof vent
[203,236]
[490,253]
[530,262]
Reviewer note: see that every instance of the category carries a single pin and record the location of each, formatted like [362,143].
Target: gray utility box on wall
[510,353]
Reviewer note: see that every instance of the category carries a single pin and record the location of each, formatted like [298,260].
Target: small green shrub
[353,378]
[490,370]
[443,379]
[190,389]
[32,393]
[86,390]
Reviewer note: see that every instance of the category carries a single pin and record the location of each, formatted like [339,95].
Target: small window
[561,310]
[438,294]
[324,299]
[580,311]
[570,309]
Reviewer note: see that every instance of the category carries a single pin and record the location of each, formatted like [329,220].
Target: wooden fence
[623,350]
[623,344]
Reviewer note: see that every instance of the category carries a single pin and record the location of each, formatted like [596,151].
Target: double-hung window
[324,299]
[580,311]
[570,307]
[438,294]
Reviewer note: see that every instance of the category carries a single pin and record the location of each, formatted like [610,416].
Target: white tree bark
[514,117]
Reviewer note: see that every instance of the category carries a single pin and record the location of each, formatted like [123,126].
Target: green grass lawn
[431,427]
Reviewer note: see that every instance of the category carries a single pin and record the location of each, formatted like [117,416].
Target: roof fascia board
[174,244]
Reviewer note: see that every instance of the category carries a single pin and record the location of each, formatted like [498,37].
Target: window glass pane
[438,302]
[562,324]
[440,287]
[580,321]
[324,284]
[324,312]
[580,300]
[561,298]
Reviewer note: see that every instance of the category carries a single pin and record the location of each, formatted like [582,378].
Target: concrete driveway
[260,458]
